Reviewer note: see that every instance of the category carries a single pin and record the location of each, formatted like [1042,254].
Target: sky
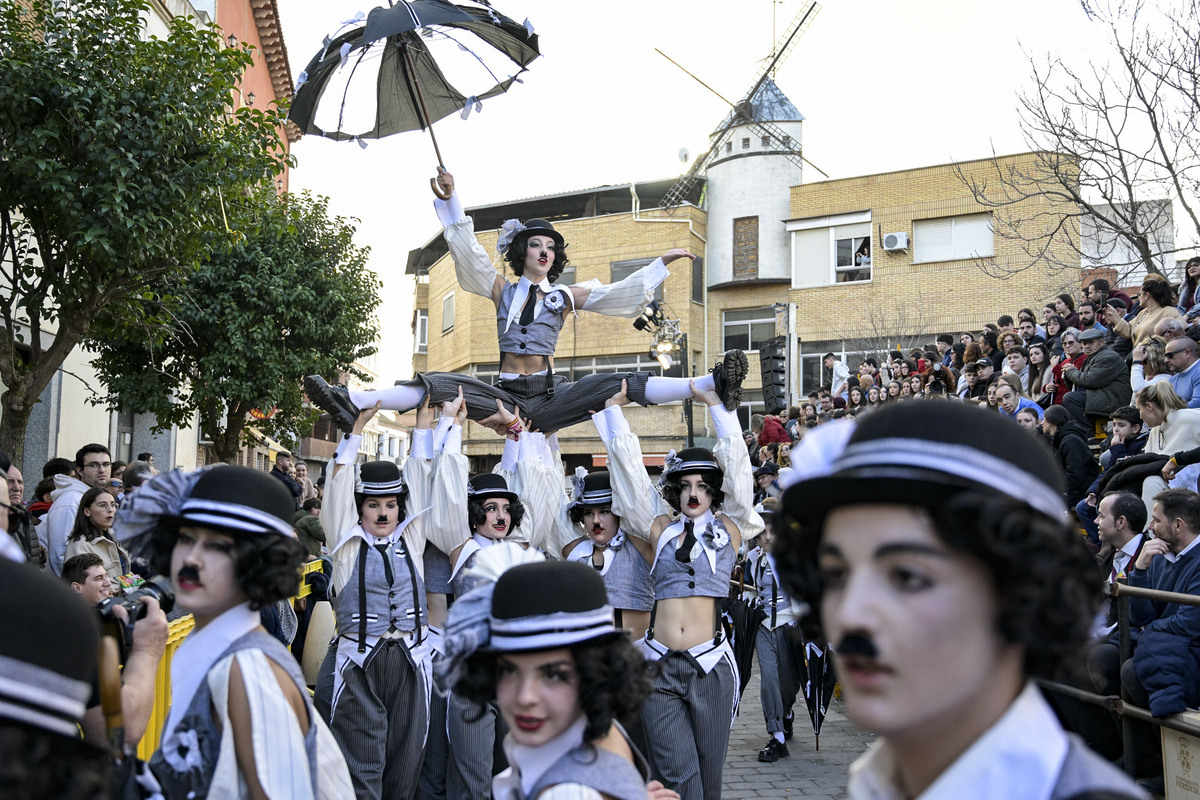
[883,85]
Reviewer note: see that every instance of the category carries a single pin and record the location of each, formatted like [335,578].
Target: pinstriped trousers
[779,680]
[687,719]
[569,404]
[380,722]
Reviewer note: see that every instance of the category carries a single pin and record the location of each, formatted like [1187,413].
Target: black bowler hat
[549,605]
[238,500]
[49,638]
[689,461]
[380,479]
[489,484]
[595,489]
[543,228]
[921,454]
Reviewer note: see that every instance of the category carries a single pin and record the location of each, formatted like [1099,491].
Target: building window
[448,312]
[852,259]
[728,148]
[623,269]
[421,330]
[748,328]
[745,248]
[832,249]
[953,238]
[698,280]
[746,143]
[787,141]
[766,141]
[747,408]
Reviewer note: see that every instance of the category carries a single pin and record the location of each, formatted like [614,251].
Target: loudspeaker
[772,357]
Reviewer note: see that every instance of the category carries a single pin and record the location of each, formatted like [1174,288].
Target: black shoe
[333,400]
[728,377]
[787,727]
[774,751]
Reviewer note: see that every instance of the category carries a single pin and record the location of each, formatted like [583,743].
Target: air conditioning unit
[893,242]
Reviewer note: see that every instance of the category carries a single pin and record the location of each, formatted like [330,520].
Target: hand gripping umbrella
[408,66]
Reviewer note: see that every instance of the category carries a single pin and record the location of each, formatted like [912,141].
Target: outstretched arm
[628,296]
[472,265]
[635,499]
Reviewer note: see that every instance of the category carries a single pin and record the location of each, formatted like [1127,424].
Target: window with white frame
[421,330]
[448,312]
[831,249]
[746,329]
[953,238]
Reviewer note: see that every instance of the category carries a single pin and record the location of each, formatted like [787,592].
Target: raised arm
[472,265]
[628,296]
[730,452]
[635,500]
[448,525]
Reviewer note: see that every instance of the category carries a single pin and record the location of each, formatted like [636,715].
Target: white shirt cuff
[453,439]
[422,444]
[347,452]
[512,454]
[725,421]
[552,442]
[449,212]
[440,433]
[614,423]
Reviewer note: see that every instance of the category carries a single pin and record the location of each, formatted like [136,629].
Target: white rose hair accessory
[508,232]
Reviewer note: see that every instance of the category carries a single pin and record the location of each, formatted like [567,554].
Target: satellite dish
[684,155]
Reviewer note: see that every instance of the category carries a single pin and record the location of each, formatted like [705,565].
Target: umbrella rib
[482,63]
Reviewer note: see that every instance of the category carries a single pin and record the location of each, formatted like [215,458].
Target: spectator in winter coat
[1102,383]
[1128,438]
[769,429]
[1069,438]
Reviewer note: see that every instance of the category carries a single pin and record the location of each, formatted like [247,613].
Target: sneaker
[788,721]
[774,751]
[728,377]
[333,400]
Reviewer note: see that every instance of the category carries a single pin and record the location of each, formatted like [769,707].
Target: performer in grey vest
[529,315]
[564,677]
[688,715]
[775,643]
[224,536]
[380,665]
[935,553]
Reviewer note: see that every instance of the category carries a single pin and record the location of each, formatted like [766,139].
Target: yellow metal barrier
[178,631]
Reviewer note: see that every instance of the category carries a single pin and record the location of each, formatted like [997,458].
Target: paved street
[806,772]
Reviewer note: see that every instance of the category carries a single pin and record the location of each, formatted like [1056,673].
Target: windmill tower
[754,158]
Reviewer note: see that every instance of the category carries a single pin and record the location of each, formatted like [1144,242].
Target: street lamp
[250,99]
[233,40]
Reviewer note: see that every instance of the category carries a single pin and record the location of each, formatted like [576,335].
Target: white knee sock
[666,390]
[778,736]
[394,398]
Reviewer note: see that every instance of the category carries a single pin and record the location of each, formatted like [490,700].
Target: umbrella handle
[437,190]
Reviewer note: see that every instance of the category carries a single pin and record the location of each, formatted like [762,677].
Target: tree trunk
[17,408]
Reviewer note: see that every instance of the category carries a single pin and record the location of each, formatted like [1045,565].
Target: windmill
[743,114]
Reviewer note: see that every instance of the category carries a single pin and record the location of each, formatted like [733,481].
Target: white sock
[667,390]
[778,736]
[394,398]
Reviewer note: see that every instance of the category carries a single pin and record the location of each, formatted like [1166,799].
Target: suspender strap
[412,577]
[619,619]
[650,628]
[549,376]
[362,597]
[717,629]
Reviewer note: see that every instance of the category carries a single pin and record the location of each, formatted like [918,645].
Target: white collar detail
[702,524]
[530,763]
[524,286]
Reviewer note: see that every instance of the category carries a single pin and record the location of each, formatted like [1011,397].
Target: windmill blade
[785,46]
[682,187]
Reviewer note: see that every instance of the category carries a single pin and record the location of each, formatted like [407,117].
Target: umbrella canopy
[408,66]
[818,678]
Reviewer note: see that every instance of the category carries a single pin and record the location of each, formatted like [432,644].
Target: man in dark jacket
[1101,385]
[1069,439]
[1128,438]
[280,471]
[1164,673]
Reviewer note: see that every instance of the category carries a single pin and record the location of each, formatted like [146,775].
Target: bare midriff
[635,621]
[523,364]
[684,622]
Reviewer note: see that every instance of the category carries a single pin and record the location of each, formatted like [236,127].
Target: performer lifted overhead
[529,315]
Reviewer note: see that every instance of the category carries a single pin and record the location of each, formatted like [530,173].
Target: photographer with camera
[140,626]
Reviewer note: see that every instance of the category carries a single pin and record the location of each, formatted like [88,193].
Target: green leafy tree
[117,155]
[293,297]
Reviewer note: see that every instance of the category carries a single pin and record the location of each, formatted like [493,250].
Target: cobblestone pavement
[807,772]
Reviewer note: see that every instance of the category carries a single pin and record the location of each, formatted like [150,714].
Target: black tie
[530,306]
[597,558]
[684,552]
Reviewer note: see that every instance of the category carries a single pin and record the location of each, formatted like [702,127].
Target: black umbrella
[742,618]
[819,679]
[408,66]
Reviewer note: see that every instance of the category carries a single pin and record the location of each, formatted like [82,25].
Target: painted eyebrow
[899,548]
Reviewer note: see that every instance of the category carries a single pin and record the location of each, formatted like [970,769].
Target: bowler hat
[238,500]
[549,605]
[543,228]
[920,454]
[489,484]
[596,489]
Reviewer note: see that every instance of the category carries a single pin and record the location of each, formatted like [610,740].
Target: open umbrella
[407,66]
[819,680]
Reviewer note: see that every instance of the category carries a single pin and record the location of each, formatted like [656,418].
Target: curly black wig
[476,516]
[671,488]
[613,682]
[1046,603]
[515,256]
[39,765]
[267,564]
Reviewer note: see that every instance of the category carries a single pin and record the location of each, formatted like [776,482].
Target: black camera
[158,587]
